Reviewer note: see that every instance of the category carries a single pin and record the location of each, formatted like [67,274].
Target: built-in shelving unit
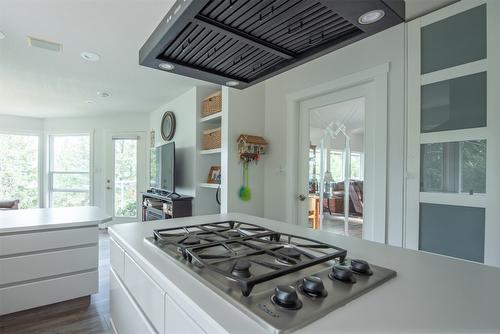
[206,192]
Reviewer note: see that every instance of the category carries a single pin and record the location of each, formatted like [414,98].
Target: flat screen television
[162,173]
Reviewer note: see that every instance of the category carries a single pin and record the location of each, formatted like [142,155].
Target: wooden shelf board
[213,151]
[215,116]
[209,185]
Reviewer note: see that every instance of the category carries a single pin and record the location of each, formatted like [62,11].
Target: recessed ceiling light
[232,83]
[166,66]
[103,94]
[371,16]
[2,35]
[90,56]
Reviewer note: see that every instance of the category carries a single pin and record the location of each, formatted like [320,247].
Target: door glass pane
[458,103]
[336,166]
[456,231]
[453,167]
[125,185]
[69,199]
[456,40]
[19,169]
[356,166]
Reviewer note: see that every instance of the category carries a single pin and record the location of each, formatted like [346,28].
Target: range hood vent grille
[251,40]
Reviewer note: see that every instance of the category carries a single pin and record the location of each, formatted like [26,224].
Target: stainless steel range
[282,281]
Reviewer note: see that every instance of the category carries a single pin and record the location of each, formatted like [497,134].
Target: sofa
[9,205]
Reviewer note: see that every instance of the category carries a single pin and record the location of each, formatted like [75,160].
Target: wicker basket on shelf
[212,104]
[211,139]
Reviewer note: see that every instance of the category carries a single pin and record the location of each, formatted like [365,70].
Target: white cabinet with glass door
[453,156]
[125,175]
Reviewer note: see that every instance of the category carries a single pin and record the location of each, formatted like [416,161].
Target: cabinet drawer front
[117,257]
[126,316]
[177,321]
[36,266]
[26,296]
[38,241]
[149,296]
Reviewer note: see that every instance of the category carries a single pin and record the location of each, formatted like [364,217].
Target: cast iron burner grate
[245,253]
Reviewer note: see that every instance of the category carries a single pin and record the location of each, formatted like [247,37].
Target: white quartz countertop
[50,218]
[431,293]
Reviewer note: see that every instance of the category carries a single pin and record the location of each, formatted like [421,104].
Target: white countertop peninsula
[49,218]
[431,293]
[48,256]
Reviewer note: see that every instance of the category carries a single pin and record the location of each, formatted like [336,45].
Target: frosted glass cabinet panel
[456,40]
[456,231]
[454,167]
[459,103]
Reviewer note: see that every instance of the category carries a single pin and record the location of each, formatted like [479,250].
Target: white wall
[385,47]
[245,115]
[184,108]
[99,126]
[13,124]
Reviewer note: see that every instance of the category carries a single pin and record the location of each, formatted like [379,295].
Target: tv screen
[162,174]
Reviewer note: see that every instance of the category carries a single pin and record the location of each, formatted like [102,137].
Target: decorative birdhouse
[250,147]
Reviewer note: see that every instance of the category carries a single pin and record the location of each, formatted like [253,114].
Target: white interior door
[125,175]
[375,149]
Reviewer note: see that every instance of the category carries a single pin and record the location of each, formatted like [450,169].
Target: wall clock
[168,126]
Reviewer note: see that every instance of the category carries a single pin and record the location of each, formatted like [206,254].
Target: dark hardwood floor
[79,316]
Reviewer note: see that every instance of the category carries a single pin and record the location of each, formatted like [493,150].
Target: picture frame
[214,175]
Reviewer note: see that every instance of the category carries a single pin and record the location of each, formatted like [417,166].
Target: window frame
[50,165]
[39,134]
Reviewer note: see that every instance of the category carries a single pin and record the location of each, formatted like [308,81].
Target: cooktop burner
[281,280]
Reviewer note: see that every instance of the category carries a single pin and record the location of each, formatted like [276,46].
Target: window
[69,170]
[337,165]
[454,167]
[19,173]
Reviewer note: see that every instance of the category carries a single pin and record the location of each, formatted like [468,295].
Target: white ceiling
[351,113]
[39,83]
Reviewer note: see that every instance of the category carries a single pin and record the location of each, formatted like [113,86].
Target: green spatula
[245,192]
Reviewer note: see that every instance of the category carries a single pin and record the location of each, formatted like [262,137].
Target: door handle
[108,187]
[302,198]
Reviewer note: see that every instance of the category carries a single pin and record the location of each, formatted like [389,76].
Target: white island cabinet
[48,256]
[153,293]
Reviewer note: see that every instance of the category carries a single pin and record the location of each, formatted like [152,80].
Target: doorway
[336,167]
[370,84]
[126,175]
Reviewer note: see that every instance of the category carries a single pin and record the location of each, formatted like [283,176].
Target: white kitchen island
[48,256]
[152,293]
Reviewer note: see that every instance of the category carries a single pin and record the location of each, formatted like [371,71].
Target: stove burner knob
[286,296]
[313,286]
[361,266]
[342,274]
[242,269]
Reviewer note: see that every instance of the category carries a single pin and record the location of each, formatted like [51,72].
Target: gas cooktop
[282,281]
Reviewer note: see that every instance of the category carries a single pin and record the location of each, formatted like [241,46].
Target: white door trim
[378,77]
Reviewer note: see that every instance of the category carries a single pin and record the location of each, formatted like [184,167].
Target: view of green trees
[125,177]
[70,170]
[19,169]
[454,167]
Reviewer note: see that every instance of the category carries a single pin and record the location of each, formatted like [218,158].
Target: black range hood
[242,42]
